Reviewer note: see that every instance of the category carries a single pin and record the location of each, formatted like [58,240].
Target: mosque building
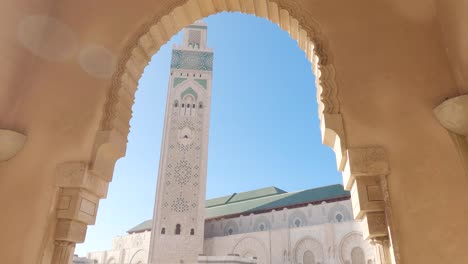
[262,226]
[391,92]
[265,225]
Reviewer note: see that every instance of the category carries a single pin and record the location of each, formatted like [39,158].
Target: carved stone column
[77,204]
[63,252]
[364,175]
[81,185]
[453,115]
[382,249]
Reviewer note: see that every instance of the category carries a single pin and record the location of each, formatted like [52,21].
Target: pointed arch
[110,141]
[140,256]
[159,29]
[111,138]
[189,91]
[297,218]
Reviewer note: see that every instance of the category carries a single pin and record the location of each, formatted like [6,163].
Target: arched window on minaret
[189,98]
[177,229]
[176,103]
[192,232]
[163,231]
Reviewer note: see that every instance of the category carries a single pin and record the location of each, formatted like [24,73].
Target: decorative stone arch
[231,228]
[137,240]
[259,221]
[351,241]
[309,244]
[87,181]
[190,84]
[139,257]
[251,247]
[157,31]
[189,92]
[194,83]
[297,214]
[112,260]
[337,210]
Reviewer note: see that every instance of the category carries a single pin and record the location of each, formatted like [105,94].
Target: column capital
[367,196]
[76,174]
[375,226]
[77,204]
[364,161]
[70,230]
[63,252]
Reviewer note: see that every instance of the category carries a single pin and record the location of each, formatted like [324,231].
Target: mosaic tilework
[192,60]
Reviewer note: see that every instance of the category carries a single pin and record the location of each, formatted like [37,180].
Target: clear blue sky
[264,128]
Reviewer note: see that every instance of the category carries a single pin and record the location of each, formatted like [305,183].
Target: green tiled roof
[255,194]
[218,201]
[243,196]
[261,199]
[281,199]
[146,225]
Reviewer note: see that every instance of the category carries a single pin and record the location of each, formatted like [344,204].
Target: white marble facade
[312,234]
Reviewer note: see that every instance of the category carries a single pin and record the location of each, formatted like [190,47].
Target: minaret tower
[178,221]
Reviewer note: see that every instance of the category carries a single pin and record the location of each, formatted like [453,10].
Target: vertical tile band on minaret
[178,220]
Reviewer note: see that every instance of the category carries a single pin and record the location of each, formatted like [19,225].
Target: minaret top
[195,36]
[193,54]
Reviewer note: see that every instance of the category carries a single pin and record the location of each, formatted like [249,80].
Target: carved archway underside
[111,139]
[156,32]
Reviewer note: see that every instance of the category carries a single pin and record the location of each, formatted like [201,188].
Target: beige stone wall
[388,62]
